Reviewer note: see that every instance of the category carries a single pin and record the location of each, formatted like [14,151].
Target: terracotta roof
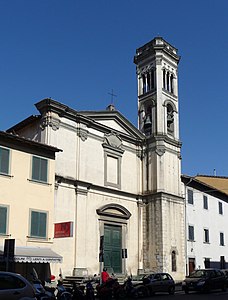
[219,183]
[18,140]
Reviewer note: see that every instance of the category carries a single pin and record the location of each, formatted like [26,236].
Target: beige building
[27,172]
[118,199]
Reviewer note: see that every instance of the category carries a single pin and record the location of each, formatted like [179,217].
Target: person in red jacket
[104,275]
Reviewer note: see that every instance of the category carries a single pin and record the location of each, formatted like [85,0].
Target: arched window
[164,79]
[174,261]
[171,84]
[144,83]
[170,119]
[148,121]
[167,81]
[152,79]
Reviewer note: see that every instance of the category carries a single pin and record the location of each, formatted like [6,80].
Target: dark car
[15,287]
[205,280]
[159,282]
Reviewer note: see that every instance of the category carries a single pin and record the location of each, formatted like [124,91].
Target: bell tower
[158,118]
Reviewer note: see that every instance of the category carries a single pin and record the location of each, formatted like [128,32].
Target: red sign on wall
[64,229]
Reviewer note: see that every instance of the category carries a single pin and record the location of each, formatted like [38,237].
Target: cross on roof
[112,95]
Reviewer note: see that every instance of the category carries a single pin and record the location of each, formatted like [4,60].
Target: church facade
[118,200]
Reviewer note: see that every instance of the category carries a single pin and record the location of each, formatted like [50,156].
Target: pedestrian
[104,276]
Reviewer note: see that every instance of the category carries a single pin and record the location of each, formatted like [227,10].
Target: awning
[36,255]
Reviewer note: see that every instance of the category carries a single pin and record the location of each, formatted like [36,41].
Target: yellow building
[27,174]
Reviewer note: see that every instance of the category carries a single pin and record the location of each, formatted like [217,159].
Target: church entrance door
[112,248]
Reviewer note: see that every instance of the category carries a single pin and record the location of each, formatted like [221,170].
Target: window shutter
[43,172]
[34,223]
[38,224]
[35,168]
[43,222]
[3,219]
[4,160]
[39,169]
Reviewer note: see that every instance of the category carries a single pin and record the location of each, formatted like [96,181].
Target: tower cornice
[156,45]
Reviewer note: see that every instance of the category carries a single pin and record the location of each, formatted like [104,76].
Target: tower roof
[158,43]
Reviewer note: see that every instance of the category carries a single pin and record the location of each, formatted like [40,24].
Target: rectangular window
[207,263]
[205,202]
[221,239]
[38,224]
[206,235]
[190,197]
[4,160]
[222,262]
[3,220]
[112,168]
[191,233]
[39,169]
[220,208]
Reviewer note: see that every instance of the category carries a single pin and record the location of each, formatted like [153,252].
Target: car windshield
[138,277]
[198,274]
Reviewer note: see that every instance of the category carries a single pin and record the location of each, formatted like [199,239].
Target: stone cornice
[165,138]
[152,196]
[77,183]
[89,119]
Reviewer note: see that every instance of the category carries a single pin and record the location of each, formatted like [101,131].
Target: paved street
[195,296]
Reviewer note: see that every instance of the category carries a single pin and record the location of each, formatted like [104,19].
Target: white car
[15,287]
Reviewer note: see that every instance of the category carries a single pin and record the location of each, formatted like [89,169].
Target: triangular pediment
[110,120]
[115,121]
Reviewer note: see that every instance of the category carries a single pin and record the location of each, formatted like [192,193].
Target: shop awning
[36,255]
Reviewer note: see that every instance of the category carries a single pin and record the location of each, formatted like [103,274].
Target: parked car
[138,279]
[225,271]
[15,287]
[159,282]
[205,280]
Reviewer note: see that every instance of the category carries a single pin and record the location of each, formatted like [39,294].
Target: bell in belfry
[170,117]
[147,125]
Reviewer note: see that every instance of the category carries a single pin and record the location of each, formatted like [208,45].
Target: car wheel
[186,291]
[142,292]
[135,295]
[65,296]
[171,290]
[122,294]
[206,289]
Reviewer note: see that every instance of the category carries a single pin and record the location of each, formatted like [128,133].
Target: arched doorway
[113,227]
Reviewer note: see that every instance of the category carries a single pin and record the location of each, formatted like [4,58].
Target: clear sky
[77,51]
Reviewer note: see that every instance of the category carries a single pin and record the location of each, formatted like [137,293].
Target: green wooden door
[112,248]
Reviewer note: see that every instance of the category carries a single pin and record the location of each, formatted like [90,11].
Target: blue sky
[77,51]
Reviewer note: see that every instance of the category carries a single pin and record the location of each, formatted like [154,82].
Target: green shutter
[3,219]
[38,224]
[42,225]
[35,168]
[39,169]
[34,223]
[43,171]
[4,161]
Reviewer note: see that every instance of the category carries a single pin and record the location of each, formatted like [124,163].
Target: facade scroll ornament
[113,139]
[83,134]
[158,61]
[160,150]
[140,153]
[49,121]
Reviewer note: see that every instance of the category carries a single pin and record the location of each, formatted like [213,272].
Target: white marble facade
[114,177]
